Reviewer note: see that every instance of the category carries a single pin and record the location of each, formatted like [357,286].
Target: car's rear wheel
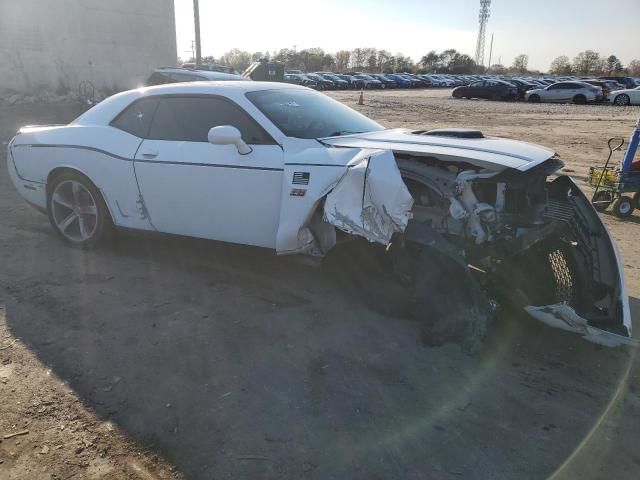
[534,98]
[622,100]
[77,210]
[580,99]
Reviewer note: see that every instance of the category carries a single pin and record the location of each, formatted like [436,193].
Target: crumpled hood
[492,153]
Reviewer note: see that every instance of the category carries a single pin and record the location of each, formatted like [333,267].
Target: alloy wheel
[74,211]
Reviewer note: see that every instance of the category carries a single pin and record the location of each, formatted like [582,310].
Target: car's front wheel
[447,303]
[534,98]
[622,100]
[77,210]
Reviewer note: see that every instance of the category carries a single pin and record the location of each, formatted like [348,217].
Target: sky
[542,29]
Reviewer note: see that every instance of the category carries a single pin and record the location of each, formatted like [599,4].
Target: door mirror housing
[228,135]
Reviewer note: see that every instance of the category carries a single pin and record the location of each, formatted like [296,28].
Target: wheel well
[58,171]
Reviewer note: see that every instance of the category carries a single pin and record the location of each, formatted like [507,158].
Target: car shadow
[233,363]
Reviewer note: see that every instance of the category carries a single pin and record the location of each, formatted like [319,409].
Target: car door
[554,93]
[475,89]
[192,187]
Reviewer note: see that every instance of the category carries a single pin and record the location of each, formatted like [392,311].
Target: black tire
[602,200]
[579,99]
[622,100]
[623,207]
[448,304]
[456,94]
[95,227]
[534,98]
[636,200]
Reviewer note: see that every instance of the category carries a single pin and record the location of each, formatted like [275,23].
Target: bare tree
[634,68]
[587,62]
[561,66]
[613,65]
[343,58]
[521,63]
[357,58]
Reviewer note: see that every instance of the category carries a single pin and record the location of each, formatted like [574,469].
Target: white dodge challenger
[462,219]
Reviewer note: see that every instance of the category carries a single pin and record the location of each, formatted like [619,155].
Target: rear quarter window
[136,118]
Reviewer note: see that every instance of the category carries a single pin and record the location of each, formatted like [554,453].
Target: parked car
[630,96]
[300,79]
[294,72]
[338,83]
[210,67]
[565,92]
[386,81]
[417,81]
[435,81]
[488,89]
[254,163]
[321,82]
[401,81]
[627,82]
[604,86]
[163,75]
[354,82]
[522,86]
[369,82]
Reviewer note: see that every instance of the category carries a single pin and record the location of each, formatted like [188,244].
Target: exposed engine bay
[535,241]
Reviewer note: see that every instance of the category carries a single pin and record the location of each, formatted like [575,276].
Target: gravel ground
[165,357]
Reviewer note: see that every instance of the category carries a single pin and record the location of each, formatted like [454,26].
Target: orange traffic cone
[361,99]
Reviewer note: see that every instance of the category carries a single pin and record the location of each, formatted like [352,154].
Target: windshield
[309,114]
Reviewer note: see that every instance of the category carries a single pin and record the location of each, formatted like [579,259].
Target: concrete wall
[53,45]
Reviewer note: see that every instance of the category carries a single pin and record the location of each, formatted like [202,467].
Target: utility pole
[490,54]
[196,20]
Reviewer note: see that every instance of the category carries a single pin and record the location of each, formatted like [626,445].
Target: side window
[136,118]
[190,119]
[555,86]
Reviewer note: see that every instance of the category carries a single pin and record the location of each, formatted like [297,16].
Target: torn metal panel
[371,199]
[564,317]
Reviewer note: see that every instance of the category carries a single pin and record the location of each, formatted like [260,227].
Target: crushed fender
[370,199]
[564,317]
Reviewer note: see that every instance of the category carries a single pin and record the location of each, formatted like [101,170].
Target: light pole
[196,21]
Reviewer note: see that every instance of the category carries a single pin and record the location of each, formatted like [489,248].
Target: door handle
[150,154]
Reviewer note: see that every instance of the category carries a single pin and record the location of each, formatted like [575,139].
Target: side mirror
[228,135]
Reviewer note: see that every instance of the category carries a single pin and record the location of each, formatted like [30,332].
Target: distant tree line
[359,59]
[373,60]
[592,63]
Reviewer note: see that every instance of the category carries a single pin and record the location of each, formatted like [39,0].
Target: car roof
[105,111]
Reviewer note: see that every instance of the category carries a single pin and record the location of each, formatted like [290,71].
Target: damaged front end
[509,236]
[531,242]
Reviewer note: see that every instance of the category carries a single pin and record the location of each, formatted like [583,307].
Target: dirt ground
[161,357]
